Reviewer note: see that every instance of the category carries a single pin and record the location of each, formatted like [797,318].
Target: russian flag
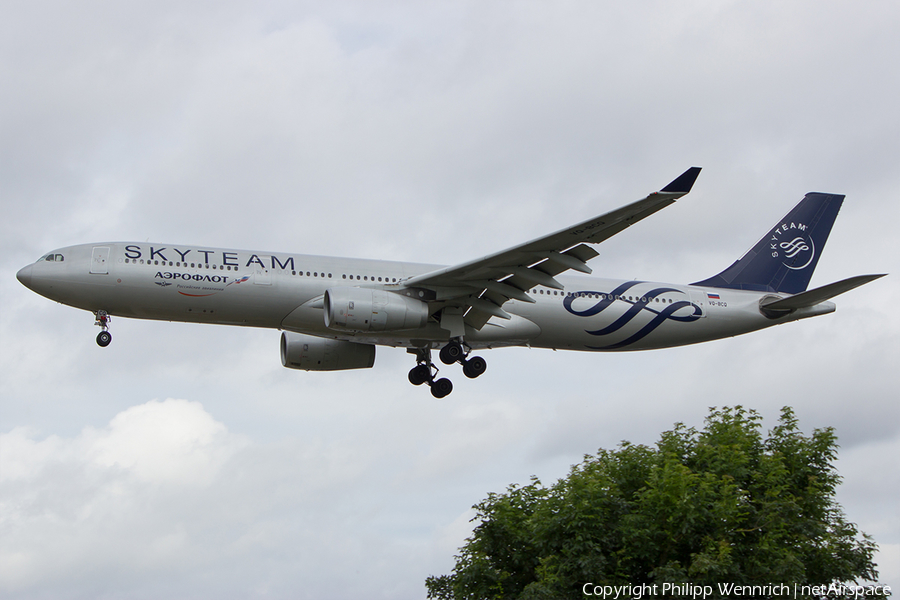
[712,296]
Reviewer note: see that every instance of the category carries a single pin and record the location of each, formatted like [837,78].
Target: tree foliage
[704,507]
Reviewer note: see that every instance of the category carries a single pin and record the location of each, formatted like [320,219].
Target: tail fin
[784,260]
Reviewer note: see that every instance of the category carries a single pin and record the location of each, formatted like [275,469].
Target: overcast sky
[183,461]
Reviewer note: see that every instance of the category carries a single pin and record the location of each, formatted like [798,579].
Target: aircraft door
[99,260]
[262,276]
[698,297]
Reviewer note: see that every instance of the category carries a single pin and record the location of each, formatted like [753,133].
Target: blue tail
[784,260]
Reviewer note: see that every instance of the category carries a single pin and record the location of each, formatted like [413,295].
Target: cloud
[109,499]
[164,497]
[868,471]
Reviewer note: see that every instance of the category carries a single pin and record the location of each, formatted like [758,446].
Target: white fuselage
[284,291]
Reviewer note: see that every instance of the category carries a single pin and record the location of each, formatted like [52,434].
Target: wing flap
[476,319]
[505,288]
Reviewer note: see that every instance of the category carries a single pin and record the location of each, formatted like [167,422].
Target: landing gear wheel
[103,339]
[452,352]
[419,374]
[474,367]
[441,387]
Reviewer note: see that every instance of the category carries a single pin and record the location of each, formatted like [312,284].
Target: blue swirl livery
[639,306]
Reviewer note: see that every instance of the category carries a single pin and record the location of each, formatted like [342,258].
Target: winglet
[684,182]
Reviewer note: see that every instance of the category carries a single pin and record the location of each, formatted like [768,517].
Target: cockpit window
[54,258]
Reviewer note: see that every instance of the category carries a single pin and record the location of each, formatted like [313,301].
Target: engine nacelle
[311,353]
[365,309]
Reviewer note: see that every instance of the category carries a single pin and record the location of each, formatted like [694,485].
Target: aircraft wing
[480,287]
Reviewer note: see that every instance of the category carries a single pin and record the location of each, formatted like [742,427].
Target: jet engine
[309,353]
[366,309]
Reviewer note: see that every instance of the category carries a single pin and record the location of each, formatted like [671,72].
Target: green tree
[721,505]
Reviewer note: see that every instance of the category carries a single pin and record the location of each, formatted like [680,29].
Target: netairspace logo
[688,590]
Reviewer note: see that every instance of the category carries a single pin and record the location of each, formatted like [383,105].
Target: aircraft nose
[24,276]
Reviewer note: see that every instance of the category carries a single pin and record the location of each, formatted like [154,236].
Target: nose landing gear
[102,321]
[453,352]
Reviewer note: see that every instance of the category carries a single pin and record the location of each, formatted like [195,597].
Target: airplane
[333,312]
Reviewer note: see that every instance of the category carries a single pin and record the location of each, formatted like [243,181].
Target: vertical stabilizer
[784,260]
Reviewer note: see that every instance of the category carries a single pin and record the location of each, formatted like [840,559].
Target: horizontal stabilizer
[826,292]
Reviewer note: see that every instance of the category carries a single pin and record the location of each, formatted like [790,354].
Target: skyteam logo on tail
[791,244]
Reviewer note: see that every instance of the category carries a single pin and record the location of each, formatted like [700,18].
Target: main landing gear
[455,352]
[102,321]
[425,371]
